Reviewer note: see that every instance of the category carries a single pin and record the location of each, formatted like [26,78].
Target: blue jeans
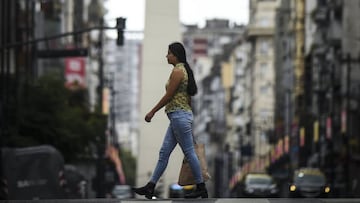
[179,131]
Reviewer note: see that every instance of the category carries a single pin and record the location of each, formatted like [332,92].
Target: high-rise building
[122,71]
[209,53]
[261,36]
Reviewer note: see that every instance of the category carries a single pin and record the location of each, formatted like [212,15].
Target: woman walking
[177,101]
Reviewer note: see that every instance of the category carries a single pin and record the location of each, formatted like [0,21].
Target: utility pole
[110,137]
[101,67]
[346,131]
[112,111]
[100,166]
[347,128]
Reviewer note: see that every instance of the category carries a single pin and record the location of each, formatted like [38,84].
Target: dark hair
[178,50]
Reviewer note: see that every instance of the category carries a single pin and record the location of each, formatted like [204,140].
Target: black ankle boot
[147,190]
[200,191]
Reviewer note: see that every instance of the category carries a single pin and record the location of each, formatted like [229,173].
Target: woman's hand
[149,116]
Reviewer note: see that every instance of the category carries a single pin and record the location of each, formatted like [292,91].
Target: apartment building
[261,32]
[210,52]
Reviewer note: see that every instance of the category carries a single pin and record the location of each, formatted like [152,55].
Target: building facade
[210,50]
[316,85]
[261,32]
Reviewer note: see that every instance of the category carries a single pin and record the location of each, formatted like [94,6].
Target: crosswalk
[210,200]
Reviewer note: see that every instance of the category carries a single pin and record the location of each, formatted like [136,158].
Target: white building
[122,73]
[261,34]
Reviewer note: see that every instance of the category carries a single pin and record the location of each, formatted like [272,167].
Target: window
[264,22]
[239,67]
[263,89]
[263,68]
[264,48]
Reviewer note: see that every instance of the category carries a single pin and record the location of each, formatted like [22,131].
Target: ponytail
[191,87]
[179,51]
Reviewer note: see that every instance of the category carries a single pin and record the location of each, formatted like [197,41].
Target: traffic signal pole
[100,166]
[34,41]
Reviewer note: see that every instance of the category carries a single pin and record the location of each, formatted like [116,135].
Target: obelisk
[162,27]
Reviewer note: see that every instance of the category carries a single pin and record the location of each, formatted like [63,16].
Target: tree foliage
[49,113]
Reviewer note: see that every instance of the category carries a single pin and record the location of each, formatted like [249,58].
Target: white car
[122,192]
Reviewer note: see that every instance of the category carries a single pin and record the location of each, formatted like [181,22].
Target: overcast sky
[191,11]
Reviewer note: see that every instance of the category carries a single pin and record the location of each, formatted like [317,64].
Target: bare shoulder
[177,72]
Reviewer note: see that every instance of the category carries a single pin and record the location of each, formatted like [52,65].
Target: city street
[210,200]
[87,101]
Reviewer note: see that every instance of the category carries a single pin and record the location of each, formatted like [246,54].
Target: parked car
[122,192]
[75,183]
[33,173]
[176,191]
[259,185]
[309,182]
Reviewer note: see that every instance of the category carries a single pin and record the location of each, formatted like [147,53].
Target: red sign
[287,144]
[75,72]
[302,137]
[328,128]
[343,121]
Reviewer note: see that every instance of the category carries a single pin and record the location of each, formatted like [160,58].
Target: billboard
[75,72]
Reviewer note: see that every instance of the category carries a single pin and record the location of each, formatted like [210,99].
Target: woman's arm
[174,82]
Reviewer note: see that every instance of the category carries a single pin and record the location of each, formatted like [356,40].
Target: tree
[51,114]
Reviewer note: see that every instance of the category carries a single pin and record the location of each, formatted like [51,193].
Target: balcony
[334,33]
[260,31]
[320,15]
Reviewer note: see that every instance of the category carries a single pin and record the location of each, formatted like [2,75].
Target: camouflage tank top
[180,100]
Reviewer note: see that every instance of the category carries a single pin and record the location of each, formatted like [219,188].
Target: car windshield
[121,190]
[302,178]
[259,180]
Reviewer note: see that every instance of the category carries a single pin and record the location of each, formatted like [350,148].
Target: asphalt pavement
[210,200]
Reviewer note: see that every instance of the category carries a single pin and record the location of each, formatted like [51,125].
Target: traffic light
[120,26]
